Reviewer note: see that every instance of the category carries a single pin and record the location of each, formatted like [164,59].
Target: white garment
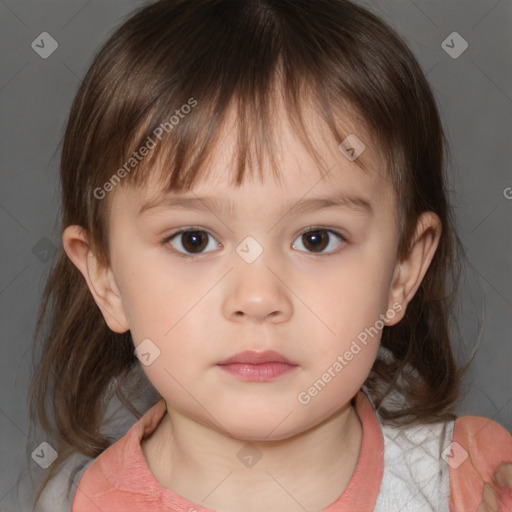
[416,477]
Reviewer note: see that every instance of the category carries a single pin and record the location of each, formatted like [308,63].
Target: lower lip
[258,372]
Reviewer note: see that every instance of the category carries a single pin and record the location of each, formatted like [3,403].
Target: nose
[257,292]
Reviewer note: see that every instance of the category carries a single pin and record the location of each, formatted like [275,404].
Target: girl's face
[249,279]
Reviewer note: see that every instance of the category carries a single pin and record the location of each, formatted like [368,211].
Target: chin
[268,425]
[251,433]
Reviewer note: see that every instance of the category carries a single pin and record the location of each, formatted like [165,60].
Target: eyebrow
[357,204]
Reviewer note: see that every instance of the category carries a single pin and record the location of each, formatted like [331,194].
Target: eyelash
[188,256]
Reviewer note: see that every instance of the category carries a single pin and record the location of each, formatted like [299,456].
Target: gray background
[475,97]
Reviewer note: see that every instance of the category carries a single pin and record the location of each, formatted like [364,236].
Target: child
[255,213]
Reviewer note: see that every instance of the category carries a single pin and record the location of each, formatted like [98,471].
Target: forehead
[299,173]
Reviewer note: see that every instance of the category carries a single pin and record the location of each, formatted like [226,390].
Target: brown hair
[330,54]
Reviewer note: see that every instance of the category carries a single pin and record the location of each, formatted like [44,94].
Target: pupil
[318,239]
[194,239]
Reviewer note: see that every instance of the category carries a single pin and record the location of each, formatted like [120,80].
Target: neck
[307,471]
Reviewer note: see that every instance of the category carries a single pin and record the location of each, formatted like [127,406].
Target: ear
[99,277]
[409,272]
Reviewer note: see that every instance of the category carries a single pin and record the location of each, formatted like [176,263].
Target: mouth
[253,366]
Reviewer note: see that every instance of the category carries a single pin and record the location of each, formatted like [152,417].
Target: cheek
[351,305]
[352,298]
[155,294]
[168,310]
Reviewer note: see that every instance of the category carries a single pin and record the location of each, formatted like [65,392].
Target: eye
[192,241]
[317,239]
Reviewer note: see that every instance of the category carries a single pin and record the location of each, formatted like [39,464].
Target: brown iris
[194,240]
[316,241]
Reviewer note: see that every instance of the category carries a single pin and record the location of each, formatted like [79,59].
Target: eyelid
[323,228]
[189,228]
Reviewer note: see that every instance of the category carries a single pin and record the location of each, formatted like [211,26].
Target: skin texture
[491,493]
[305,305]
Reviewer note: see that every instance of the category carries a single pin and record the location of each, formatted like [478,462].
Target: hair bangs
[244,70]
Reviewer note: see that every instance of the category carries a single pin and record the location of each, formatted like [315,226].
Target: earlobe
[99,278]
[409,273]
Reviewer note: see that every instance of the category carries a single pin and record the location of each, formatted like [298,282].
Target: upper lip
[253,357]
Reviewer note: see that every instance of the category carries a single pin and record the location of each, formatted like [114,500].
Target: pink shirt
[119,479]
